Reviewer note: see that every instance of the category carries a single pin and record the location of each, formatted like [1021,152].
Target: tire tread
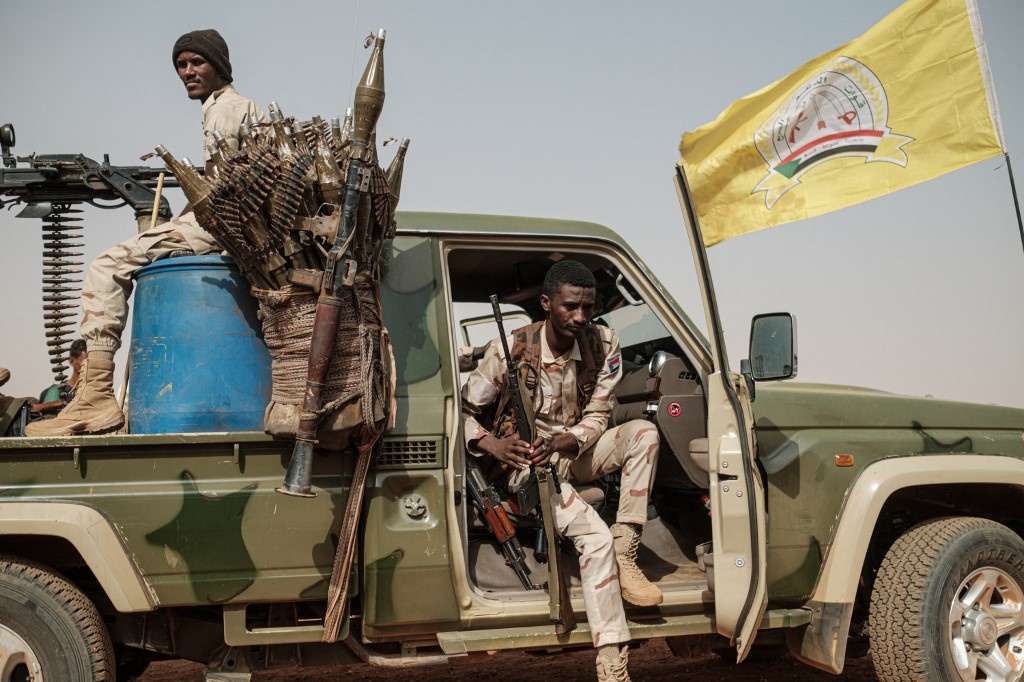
[903,639]
[76,605]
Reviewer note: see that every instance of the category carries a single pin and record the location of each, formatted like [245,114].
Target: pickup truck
[833,519]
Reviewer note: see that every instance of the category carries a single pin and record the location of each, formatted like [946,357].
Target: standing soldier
[202,62]
[576,367]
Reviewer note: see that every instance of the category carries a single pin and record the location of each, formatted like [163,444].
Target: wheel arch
[924,482]
[92,536]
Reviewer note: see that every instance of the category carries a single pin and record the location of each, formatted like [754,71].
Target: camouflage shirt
[225,110]
[555,399]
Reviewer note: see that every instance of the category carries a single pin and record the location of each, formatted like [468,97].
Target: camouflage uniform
[108,283]
[631,447]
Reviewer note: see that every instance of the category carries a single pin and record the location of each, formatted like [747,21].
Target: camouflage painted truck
[827,518]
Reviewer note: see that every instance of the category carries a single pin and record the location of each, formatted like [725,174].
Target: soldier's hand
[509,450]
[542,451]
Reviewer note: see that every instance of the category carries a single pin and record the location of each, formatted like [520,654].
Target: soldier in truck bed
[202,63]
[56,396]
[575,367]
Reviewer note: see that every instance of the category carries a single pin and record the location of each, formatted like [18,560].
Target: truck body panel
[184,544]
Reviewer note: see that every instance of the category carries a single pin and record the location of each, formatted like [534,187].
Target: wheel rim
[18,663]
[986,627]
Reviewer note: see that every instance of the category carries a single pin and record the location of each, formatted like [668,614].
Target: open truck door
[736,489]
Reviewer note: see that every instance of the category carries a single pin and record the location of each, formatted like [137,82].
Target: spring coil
[61,288]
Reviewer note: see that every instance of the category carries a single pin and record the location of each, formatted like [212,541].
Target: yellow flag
[909,100]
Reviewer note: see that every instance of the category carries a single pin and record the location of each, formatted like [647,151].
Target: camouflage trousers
[109,282]
[599,573]
[632,449]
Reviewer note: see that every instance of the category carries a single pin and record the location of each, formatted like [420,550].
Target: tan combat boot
[636,588]
[93,409]
[612,667]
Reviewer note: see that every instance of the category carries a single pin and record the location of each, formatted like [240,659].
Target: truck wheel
[49,630]
[948,603]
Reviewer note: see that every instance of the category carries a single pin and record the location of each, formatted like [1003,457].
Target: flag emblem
[841,111]
[613,363]
[914,91]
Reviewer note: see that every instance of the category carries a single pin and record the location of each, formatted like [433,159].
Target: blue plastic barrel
[198,361]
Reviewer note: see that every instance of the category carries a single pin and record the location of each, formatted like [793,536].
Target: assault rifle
[545,481]
[63,179]
[487,503]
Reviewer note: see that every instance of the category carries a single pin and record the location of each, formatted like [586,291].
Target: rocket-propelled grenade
[339,274]
[369,100]
[395,170]
[196,190]
[200,197]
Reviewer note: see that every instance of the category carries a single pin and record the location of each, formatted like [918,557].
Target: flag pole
[703,266]
[1013,191]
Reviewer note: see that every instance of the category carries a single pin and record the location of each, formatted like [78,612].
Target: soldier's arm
[598,409]
[480,391]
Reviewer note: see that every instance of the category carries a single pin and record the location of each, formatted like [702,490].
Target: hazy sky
[563,110]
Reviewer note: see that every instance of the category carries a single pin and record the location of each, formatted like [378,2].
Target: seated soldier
[575,367]
[202,62]
[54,398]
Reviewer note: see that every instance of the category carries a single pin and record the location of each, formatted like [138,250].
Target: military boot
[636,588]
[93,409]
[612,667]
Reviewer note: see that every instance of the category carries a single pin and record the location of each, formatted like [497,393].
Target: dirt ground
[650,661]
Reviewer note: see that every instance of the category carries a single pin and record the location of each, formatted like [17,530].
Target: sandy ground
[651,661]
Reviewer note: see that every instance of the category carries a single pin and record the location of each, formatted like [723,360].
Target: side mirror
[773,347]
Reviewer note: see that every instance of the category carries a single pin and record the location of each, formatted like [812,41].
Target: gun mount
[49,186]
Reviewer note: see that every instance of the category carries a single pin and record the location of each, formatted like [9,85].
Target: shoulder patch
[613,362]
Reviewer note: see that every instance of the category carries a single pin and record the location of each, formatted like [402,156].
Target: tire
[936,600]
[49,629]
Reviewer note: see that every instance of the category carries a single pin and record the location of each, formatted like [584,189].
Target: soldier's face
[569,310]
[76,362]
[200,78]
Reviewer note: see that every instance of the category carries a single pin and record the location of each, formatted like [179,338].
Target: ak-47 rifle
[547,484]
[49,187]
[487,503]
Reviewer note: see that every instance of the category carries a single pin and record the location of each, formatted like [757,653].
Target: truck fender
[822,643]
[94,536]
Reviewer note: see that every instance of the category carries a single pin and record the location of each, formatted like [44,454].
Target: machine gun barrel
[75,178]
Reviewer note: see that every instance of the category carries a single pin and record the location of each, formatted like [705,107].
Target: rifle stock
[558,581]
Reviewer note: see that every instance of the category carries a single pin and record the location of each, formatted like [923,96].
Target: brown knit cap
[208,43]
